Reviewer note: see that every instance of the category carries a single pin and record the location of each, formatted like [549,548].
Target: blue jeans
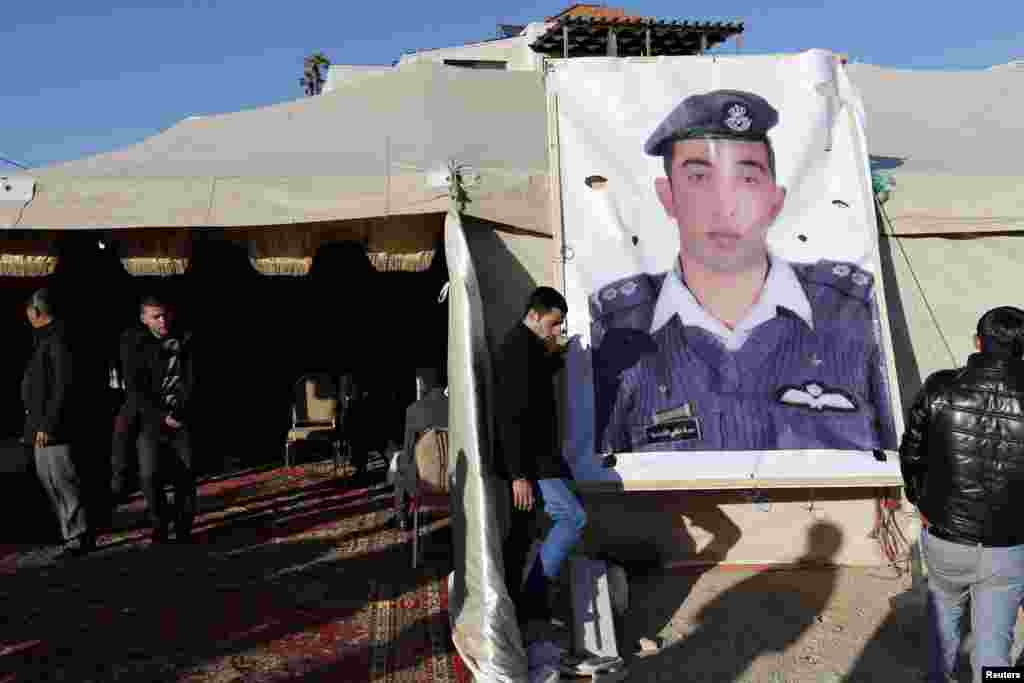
[993,578]
[569,518]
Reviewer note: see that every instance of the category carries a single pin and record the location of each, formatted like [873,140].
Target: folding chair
[431,481]
[314,417]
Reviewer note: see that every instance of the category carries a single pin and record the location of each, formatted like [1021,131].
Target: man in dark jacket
[529,456]
[962,459]
[160,378]
[50,413]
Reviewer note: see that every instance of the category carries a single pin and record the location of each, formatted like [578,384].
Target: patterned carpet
[295,576]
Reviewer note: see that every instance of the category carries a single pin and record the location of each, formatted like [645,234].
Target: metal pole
[565,41]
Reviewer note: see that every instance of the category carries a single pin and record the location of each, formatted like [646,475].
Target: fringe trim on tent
[26,265]
[381,261]
[406,263]
[154,265]
[283,265]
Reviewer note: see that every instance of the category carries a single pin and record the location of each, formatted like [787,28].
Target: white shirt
[781,288]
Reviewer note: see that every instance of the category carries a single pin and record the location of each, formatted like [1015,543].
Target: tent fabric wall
[946,137]
[943,286]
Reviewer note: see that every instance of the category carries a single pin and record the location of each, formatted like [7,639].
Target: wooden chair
[316,420]
[431,481]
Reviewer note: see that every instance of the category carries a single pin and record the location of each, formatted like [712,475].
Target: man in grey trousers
[962,460]
[47,391]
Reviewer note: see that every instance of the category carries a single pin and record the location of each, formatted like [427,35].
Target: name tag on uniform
[677,424]
[680,429]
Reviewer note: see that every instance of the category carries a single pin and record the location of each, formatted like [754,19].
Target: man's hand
[42,439]
[522,494]
[172,423]
[554,345]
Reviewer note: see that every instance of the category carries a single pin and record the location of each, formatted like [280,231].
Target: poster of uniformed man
[732,346]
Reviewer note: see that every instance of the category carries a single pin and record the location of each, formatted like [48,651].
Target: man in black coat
[962,459]
[51,408]
[160,378]
[528,453]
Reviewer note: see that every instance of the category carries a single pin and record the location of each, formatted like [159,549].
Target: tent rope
[917,281]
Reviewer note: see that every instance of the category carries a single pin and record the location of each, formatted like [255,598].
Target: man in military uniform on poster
[735,348]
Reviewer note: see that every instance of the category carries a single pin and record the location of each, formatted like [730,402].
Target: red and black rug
[294,576]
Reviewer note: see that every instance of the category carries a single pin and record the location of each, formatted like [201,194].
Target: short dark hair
[153,301]
[1001,331]
[544,300]
[42,301]
[670,149]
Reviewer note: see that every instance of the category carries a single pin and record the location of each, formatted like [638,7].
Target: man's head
[545,312]
[1001,332]
[719,185]
[156,315]
[39,308]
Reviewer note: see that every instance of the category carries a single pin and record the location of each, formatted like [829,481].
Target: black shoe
[159,537]
[400,519]
[83,545]
[183,538]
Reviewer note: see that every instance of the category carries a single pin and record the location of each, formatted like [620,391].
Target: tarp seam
[917,281]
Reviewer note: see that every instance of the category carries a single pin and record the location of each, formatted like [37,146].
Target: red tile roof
[582,9]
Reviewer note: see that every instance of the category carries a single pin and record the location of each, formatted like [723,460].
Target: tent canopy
[355,161]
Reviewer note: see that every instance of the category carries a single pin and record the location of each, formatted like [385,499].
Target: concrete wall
[785,526]
[515,52]
[339,73]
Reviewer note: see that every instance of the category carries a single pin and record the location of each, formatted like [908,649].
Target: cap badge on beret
[737,118]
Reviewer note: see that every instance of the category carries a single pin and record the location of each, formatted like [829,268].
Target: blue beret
[731,114]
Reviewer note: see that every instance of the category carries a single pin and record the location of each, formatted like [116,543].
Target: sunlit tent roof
[952,229]
[353,163]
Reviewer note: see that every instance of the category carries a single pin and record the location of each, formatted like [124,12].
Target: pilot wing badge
[814,396]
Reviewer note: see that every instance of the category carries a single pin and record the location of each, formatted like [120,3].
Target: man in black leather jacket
[962,459]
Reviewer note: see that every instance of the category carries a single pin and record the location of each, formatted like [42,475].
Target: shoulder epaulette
[846,278]
[624,294]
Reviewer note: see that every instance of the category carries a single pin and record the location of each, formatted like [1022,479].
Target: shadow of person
[898,648]
[656,596]
[761,615]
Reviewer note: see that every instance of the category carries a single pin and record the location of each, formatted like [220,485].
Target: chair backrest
[432,462]
[311,406]
[319,409]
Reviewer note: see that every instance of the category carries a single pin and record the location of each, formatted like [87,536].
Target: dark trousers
[123,463]
[516,552]
[63,487]
[167,458]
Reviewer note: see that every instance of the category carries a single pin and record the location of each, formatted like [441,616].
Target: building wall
[340,73]
[515,52]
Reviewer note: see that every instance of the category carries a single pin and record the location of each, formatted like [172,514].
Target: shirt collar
[781,289]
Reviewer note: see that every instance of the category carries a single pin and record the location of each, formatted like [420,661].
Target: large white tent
[367,161]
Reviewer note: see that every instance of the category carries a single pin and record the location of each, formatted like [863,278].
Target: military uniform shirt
[799,372]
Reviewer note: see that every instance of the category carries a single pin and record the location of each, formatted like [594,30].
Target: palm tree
[312,80]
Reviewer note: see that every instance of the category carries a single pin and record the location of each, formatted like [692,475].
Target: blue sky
[86,76]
